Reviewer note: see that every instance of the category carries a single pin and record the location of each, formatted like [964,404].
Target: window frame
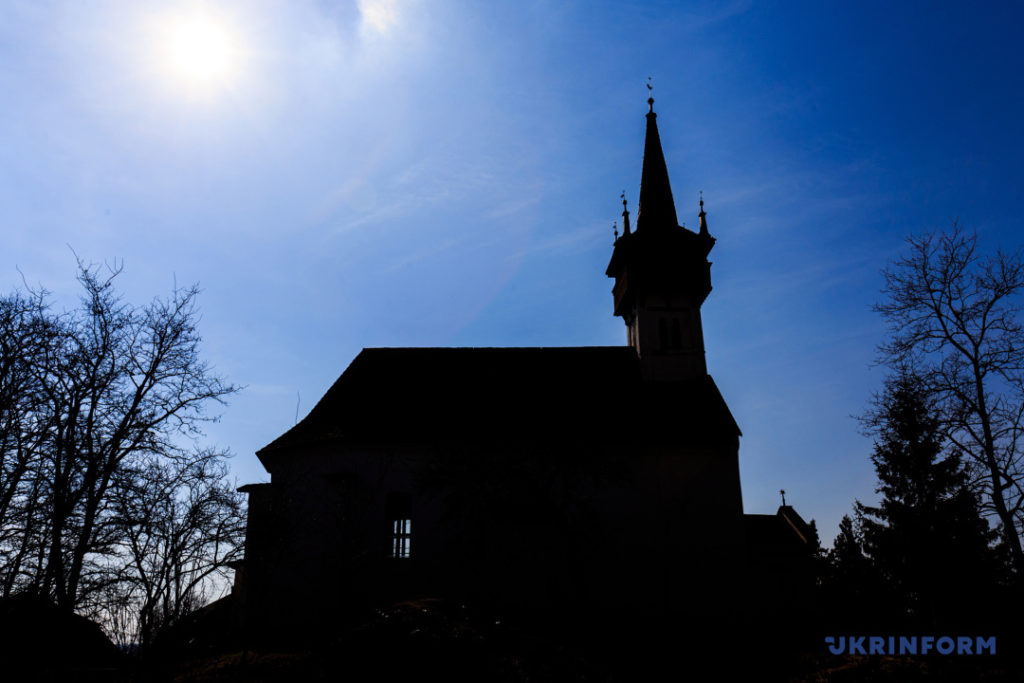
[399,510]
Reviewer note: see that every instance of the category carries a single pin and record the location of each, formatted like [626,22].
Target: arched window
[677,334]
[662,334]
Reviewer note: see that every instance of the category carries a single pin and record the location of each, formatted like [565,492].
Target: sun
[201,51]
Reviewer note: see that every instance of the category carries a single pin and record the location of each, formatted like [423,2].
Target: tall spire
[656,205]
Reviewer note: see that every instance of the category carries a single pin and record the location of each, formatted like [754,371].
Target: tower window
[662,333]
[400,516]
[677,334]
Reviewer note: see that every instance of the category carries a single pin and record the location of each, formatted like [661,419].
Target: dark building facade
[523,478]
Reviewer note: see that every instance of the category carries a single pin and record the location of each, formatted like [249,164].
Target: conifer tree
[852,588]
[847,555]
[926,538]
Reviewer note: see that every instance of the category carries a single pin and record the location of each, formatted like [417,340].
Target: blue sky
[443,173]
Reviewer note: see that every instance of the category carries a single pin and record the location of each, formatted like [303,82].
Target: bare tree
[954,317]
[92,402]
[181,522]
[26,335]
[126,382]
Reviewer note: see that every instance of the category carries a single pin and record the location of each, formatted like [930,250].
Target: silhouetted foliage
[41,642]
[819,565]
[926,539]
[954,318]
[848,550]
[851,584]
[102,487]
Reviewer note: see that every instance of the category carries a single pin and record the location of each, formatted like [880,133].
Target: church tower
[662,274]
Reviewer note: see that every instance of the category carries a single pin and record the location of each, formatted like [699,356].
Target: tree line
[109,504]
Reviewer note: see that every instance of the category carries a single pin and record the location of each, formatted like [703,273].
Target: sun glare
[201,51]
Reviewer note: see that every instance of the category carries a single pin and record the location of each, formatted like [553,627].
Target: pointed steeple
[656,206]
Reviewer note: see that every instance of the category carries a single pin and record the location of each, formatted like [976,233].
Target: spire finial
[783,492]
[650,98]
[703,217]
[625,214]
[615,229]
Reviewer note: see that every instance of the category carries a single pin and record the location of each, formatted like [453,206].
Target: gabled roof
[588,393]
[796,522]
[785,529]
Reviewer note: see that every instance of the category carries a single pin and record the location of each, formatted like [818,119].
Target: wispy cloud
[378,16]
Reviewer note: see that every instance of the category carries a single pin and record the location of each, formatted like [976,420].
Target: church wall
[636,528]
[330,536]
[673,536]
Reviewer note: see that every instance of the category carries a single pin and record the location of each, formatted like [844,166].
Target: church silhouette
[546,480]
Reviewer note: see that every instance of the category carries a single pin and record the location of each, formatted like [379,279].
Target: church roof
[785,529]
[770,532]
[588,393]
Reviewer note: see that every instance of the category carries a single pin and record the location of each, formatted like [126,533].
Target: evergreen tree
[847,554]
[926,538]
[852,587]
